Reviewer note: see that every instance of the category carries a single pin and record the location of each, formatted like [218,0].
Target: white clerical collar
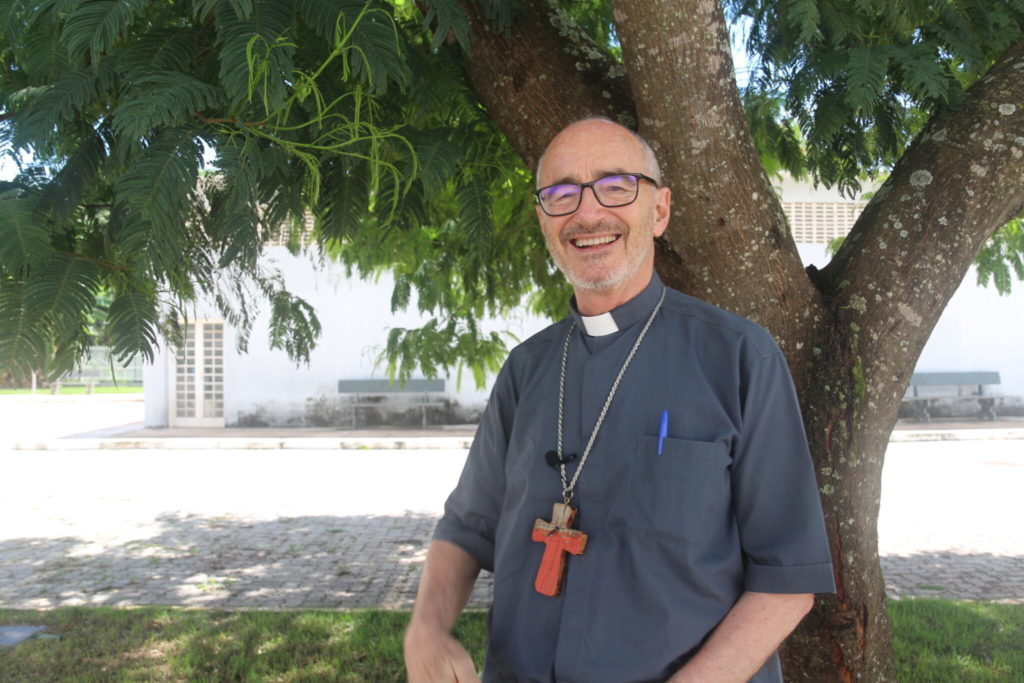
[599,325]
[622,317]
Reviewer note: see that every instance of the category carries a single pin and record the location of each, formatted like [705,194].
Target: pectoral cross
[558,538]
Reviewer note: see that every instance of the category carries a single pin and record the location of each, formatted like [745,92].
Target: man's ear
[662,210]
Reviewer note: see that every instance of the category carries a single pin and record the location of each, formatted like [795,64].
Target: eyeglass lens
[613,190]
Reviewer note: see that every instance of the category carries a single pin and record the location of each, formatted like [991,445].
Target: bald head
[595,131]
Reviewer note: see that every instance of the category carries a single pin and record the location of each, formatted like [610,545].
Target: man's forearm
[448,578]
[751,631]
[432,655]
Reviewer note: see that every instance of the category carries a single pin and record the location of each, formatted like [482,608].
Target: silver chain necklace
[569,488]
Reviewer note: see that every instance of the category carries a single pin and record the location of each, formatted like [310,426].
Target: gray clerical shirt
[731,504]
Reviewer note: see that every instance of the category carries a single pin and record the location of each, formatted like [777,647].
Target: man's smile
[585,242]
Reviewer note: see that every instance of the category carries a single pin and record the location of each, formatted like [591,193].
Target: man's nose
[588,201]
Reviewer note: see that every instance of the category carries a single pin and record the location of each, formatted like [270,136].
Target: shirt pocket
[684,493]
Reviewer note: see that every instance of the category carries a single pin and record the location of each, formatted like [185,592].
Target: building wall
[264,388]
[979,331]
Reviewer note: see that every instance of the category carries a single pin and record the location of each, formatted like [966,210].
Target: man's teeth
[594,241]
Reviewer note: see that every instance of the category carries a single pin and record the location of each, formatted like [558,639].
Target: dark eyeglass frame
[582,186]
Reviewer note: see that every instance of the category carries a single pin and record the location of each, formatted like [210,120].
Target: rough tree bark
[852,332]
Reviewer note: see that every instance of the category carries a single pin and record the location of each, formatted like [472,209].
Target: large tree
[407,130]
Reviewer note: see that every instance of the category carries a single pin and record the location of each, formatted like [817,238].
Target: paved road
[334,528]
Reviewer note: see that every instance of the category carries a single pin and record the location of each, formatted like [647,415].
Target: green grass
[947,641]
[122,389]
[172,644]
[935,641]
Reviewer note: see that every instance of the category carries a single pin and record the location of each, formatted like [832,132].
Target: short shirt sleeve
[775,493]
[471,512]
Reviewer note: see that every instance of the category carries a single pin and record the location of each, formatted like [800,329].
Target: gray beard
[628,269]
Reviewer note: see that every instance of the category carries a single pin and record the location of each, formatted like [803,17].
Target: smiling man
[640,483]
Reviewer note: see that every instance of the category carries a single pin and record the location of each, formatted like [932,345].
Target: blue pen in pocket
[662,430]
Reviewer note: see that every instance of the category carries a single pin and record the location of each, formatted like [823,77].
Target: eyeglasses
[610,191]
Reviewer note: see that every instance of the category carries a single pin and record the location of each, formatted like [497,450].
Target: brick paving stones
[316,529]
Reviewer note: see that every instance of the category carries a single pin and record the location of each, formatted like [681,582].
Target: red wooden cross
[558,538]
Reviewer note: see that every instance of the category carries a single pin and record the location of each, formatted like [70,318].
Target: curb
[907,435]
[400,443]
[265,444]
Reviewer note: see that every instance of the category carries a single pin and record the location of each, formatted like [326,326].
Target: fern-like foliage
[91,28]
[72,183]
[154,195]
[23,344]
[60,293]
[24,241]
[255,53]
[132,322]
[447,18]
[174,49]
[117,102]
[861,77]
[1002,257]
[294,326]
[162,99]
[51,110]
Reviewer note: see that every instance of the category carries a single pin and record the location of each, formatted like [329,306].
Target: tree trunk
[961,180]
[852,332]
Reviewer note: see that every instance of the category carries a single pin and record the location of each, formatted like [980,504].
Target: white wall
[356,317]
[978,331]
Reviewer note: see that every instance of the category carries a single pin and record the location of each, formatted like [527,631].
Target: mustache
[574,230]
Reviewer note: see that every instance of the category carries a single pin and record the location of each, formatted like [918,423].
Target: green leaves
[50,109]
[433,346]
[163,99]
[61,293]
[164,49]
[154,194]
[131,323]
[93,26]
[447,19]
[24,242]
[866,81]
[335,109]
[117,102]
[437,155]
[804,17]
[294,326]
[861,76]
[1002,257]
[255,53]
[23,342]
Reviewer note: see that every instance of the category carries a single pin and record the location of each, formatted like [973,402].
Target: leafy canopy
[855,80]
[348,126]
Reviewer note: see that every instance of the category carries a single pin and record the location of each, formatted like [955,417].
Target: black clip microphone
[552,458]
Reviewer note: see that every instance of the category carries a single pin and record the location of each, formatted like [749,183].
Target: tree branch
[251,124]
[961,180]
[542,74]
[728,231]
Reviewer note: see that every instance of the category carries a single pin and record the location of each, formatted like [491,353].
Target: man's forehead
[589,148]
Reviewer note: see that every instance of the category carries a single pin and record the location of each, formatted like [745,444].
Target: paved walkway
[96,520]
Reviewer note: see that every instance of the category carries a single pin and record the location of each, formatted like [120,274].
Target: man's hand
[437,658]
[432,655]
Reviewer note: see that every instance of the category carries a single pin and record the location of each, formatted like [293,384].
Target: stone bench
[928,387]
[374,393]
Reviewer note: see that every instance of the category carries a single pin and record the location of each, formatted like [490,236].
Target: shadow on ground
[290,562]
